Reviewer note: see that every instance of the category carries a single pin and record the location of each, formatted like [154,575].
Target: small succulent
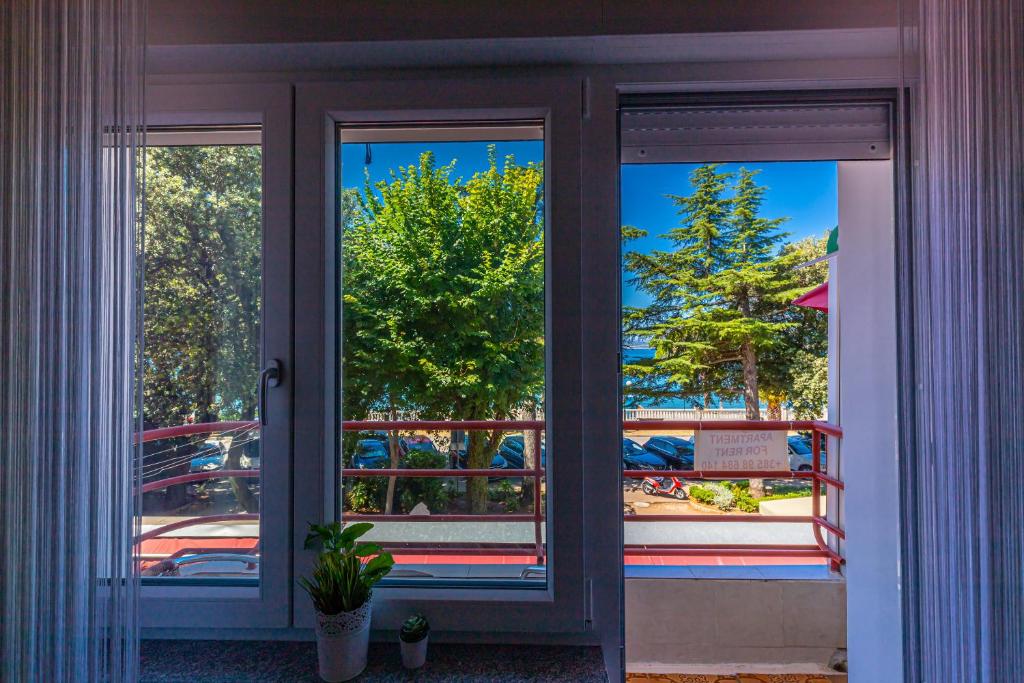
[414,629]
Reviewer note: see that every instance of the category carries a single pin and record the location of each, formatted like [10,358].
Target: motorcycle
[665,486]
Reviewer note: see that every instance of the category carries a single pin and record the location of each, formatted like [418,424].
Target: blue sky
[803,191]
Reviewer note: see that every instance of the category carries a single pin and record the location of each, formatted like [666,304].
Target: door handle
[270,377]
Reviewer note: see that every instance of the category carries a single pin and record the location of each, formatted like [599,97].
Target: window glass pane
[202,319]
[442,320]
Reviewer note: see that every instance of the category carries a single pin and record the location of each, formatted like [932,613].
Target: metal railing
[816,520]
[536,473]
[819,524]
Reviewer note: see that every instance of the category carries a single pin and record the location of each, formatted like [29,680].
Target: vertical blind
[963,380]
[70,115]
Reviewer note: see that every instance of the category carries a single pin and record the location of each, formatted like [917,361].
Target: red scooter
[667,486]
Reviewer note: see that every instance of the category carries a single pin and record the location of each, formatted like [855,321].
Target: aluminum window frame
[213,604]
[320,108]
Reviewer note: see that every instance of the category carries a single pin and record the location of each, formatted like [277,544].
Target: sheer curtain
[71,76]
[963,381]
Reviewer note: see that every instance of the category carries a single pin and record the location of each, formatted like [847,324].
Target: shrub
[431,492]
[506,493]
[711,493]
[367,494]
[702,495]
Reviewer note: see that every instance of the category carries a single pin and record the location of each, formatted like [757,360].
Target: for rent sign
[724,451]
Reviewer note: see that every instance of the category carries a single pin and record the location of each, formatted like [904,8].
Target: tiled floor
[738,678]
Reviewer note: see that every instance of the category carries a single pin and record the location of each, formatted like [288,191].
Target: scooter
[668,486]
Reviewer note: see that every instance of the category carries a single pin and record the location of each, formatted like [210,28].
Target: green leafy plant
[506,493]
[430,491]
[414,629]
[342,578]
[367,495]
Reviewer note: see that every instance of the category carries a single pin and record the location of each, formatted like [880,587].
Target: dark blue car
[635,457]
[675,450]
[511,449]
[371,454]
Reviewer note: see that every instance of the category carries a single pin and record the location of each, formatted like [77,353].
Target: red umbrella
[816,298]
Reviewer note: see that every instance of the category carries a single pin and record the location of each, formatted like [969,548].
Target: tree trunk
[774,410]
[751,401]
[240,487]
[389,500]
[477,457]
[531,446]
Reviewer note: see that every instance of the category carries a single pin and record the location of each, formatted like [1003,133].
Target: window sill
[191,661]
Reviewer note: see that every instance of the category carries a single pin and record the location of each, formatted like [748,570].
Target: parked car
[371,454]
[800,454]
[675,450]
[511,449]
[498,462]
[635,457]
[208,457]
[416,442]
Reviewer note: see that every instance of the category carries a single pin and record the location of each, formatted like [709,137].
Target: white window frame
[320,109]
[196,605]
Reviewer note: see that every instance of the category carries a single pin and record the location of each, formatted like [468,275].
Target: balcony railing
[820,526]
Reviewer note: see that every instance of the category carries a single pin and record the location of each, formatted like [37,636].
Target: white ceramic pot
[341,643]
[414,655]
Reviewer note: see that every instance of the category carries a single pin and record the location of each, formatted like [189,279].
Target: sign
[717,450]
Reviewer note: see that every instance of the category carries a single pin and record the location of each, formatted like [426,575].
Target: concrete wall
[695,622]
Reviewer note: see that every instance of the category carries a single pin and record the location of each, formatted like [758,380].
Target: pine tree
[716,296]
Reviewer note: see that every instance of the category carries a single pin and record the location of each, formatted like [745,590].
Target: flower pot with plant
[413,637]
[341,589]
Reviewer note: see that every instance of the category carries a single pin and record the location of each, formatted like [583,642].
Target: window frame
[320,108]
[267,605]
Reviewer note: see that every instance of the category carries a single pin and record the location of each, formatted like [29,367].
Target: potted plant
[341,589]
[413,637]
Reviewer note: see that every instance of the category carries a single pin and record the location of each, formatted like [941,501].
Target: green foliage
[202,282]
[414,629]
[720,297]
[713,493]
[702,494]
[431,492]
[444,297]
[366,494]
[506,494]
[342,580]
[795,369]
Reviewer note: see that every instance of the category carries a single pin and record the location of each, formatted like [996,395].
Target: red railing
[536,473]
[816,520]
[819,524]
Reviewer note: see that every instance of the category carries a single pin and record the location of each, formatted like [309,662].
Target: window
[217,376]
[201,364]
[441,284]
[444,274]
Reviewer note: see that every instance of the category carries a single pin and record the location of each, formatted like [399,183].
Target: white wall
[867,361]
[704,624]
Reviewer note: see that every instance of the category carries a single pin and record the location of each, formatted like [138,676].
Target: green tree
[715,297]
[794,370]
[444,298]
[202,286]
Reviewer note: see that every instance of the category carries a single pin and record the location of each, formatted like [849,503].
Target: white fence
[692,414]
[638,414]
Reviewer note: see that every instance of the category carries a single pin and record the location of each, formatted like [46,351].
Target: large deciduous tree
[443,291]
[202,287]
